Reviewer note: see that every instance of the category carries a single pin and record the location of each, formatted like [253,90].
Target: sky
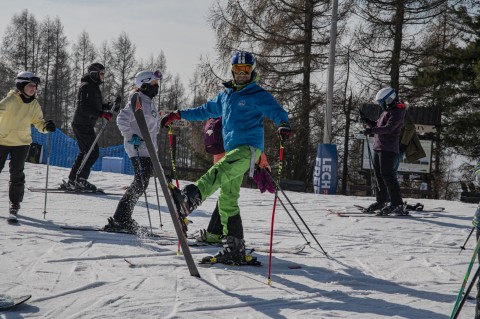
[178,27]
[380,268]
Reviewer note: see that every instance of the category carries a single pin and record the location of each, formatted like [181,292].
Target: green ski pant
[227,174]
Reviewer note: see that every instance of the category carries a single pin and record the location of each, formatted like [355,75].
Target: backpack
[212,136]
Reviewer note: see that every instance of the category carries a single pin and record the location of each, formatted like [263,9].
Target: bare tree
[290,40]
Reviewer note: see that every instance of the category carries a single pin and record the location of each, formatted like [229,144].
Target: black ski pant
[18,155]
[143,170]
[388,187]
[235,226]
[85,135]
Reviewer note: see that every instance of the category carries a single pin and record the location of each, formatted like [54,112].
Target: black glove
[169,118]
[284,131]
[403,148]
[118,103]
[367,131]
[49,126]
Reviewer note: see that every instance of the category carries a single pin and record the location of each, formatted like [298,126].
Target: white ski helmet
[27,76]
[385,96]
[147,77]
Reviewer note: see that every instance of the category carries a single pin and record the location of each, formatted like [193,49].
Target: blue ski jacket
[242,114]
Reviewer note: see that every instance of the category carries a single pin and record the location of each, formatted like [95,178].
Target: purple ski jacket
[388,128]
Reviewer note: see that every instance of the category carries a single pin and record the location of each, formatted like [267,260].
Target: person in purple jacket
[386,141]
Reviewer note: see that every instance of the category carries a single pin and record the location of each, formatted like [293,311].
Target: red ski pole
[280,165]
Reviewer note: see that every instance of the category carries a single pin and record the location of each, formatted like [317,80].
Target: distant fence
[64,150]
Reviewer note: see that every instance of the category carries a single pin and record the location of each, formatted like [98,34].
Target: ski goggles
[239,68]
[33,79]
[158,75]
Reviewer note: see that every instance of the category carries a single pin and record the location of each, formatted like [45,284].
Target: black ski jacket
[89,103]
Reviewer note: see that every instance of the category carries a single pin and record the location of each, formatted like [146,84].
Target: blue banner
[325,171]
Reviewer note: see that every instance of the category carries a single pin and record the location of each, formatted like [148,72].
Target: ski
[411,208]
[136,104]
[7,301]
[339,214]
[142,232]
[278,250]
[75,192]
[361,215]
[249,261]
[262,248]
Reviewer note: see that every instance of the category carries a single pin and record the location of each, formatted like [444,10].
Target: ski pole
[280,166]
[158,202]
[469,235]
[293,220]
[174,169]
[144,188]
[465,279]
[100,132]
[373,175]
[299,216]
[467,292]
[49,141]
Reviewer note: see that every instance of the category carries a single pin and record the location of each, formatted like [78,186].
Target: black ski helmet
[94,70]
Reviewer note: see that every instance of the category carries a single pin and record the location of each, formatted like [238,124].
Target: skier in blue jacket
[243,106]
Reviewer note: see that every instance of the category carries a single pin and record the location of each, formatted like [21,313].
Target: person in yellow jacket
[18,111]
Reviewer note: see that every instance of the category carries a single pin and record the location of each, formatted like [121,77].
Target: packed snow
[379,267]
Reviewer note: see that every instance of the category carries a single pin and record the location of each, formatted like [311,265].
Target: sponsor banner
[325,172]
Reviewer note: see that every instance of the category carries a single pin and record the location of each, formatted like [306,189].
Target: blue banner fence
[64,150]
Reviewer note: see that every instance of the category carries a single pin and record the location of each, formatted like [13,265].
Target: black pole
[469,235]
[299,216]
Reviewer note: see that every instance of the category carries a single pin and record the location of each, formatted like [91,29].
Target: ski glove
[106,115]
[136,141]
[264,181]
[49,126]
[284,131]
[169,118]
[476,217]
[117,103]
[367,131]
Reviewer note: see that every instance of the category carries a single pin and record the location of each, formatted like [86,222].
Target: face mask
[149,90]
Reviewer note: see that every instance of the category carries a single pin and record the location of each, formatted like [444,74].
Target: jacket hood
[87,78]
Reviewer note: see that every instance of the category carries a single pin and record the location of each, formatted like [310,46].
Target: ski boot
[68,185]
[14,208]
[391,210]
[373,208]
[81,184]
[186,201]
[129,226]
[233,253]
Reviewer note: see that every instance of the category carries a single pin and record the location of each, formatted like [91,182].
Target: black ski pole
[46,179]
[291,217]
[158,202]
[299,216]
[467,292]
[144,188]
[469,235]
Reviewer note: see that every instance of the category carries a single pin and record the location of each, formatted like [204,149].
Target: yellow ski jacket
[16,118]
